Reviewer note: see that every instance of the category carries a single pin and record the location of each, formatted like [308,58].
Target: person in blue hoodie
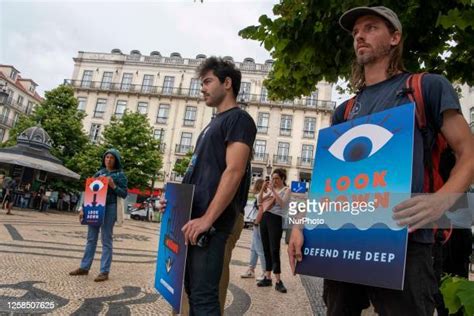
[112,169]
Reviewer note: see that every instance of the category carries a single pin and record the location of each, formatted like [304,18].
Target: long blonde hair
[257,185]
[395,63]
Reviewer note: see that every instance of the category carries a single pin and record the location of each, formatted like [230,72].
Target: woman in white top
[274,197]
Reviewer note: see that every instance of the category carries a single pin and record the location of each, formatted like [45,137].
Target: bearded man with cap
[379,75]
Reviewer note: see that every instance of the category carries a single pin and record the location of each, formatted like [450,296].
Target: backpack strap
[434,143]
[415,94]
[433,146]
[413,90]
[349,105]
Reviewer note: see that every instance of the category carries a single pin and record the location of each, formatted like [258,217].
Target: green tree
[89,160]
[141,156]
[458,295]
[59,117]
[181,165]
[308,45]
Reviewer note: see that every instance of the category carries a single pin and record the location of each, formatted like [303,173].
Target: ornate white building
[17,96]
[167,90]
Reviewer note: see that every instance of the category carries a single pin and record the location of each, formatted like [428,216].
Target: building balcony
[195,93]
[305,102]
[189,123]
[133,88]
[309,134]
[305,162]
[183,149]
[164,61]
[6,122]
[285,131]
[254,99]
[281,160]
[260,157]
[13,104]
[262,129]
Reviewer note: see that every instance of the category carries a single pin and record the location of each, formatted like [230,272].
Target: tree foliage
[59,117]
[458,295]
[89,160]
[308,45]
[132,137]
[181,165]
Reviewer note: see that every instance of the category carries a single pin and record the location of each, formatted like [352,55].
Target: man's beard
[215,100]
[378,52]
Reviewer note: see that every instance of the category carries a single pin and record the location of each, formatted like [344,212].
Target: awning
[156,192]
[40,164]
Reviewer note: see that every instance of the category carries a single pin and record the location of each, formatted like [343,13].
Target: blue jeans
[203,273]
[256,249]
[24,202]
[92,237]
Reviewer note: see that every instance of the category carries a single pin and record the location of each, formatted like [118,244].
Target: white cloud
[41,38]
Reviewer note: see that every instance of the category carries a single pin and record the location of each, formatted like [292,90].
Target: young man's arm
[237,155]
[421,210]
[458,135]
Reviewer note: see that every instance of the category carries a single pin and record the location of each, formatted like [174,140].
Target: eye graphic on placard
[360,142]
[96,185]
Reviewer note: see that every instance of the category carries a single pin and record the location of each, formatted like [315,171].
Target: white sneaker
[260,278]
[248,274]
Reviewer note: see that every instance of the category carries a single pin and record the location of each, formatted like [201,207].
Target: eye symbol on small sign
[96,185]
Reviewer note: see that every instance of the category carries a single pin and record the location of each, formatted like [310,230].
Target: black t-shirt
[209,162]
[438,95]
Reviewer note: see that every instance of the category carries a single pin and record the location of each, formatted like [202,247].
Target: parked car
[144,210]
[143,214]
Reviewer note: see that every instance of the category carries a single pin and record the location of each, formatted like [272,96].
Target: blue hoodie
[117,175]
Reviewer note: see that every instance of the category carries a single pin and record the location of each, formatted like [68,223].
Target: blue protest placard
[171,260]
[363,168]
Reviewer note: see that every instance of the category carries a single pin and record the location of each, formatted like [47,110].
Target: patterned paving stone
[37,251]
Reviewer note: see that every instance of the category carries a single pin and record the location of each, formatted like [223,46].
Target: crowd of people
[35,195]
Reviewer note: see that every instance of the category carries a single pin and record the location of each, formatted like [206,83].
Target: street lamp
[161,149]
[269,169]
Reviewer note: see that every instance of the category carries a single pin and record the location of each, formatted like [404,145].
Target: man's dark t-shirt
[438,95]
[209,162]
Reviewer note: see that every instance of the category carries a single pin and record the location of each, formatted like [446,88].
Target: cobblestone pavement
[37,250]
